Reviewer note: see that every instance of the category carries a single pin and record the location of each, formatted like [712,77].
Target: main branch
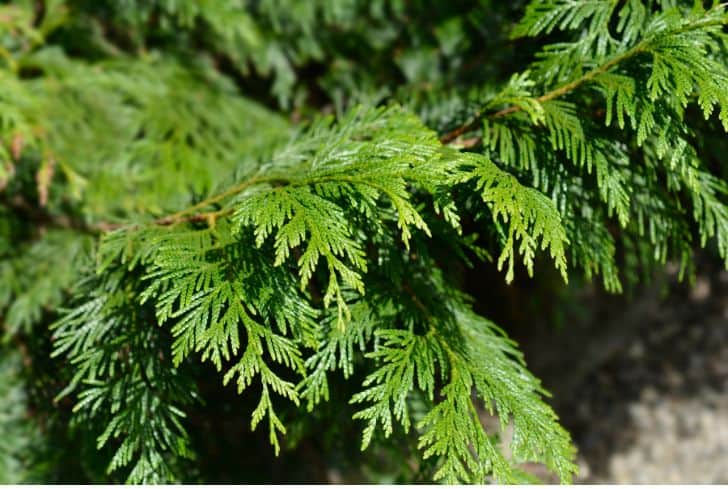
[551,95]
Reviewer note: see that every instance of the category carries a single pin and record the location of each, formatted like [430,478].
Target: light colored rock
[701,290]
[678,441]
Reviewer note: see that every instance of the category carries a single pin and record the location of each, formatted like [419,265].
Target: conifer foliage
[175,197]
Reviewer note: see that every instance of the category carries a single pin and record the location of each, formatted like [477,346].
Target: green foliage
[529,214]
[19,434]
[125,383]
[30,281]
[226,293]
[647,74]
[181,209]
[452,429]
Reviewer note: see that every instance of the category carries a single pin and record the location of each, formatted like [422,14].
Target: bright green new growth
[233,292]
[286,257]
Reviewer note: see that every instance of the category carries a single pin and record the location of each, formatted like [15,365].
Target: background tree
[292,198]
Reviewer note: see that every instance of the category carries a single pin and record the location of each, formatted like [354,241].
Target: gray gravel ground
[656,409]
[677,441]
[641,382]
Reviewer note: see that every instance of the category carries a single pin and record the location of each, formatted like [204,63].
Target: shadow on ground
[643,383]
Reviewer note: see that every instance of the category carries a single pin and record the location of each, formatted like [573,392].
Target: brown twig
[473,122]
